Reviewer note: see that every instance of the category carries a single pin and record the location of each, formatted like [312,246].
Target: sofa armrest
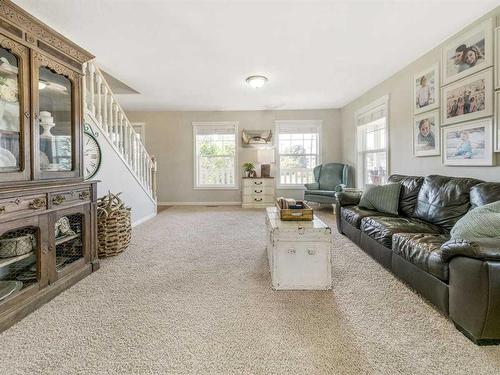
[348,198]
[484,249]
[312,186]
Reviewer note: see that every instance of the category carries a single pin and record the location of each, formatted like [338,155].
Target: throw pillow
[383,198]
[480,222]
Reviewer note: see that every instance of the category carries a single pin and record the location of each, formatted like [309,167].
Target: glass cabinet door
[14,118]
[56,119]
[71,231]
[22,243]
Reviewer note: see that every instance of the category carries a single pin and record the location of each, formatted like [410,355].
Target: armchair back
[330,175]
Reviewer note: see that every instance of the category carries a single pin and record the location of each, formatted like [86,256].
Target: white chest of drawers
[258,192]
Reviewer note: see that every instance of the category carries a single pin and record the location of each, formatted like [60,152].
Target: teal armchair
[328,178]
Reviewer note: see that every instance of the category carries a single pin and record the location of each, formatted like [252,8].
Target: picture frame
[468,99]
[427,134]
[426,95]
[467,53]
[497,121]
[469,143]
[497,58]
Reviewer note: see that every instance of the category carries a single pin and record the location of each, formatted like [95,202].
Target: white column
[122,133]
[105,114]
[99,91]
[125,139]
[154,181]
[115,121]
[91,88]
[130,140]
[110,119]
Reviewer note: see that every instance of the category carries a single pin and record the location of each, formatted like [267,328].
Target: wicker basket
[114,229]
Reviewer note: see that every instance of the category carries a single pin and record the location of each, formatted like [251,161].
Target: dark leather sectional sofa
[461,278]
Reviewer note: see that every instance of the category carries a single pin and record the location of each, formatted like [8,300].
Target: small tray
[296,214]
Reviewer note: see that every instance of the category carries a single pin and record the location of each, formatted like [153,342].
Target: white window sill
[290,187]
[216,188]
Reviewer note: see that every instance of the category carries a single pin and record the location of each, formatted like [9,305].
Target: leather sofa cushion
[424,251]
[354,214]
[382,228]
[443,200]
[326,193]
[410,186]
[484,193]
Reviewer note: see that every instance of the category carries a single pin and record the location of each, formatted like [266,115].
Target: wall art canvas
[497,121]
[468,53]
[469,144]
[468,99]
[426,90]
[426,134]
[497,56]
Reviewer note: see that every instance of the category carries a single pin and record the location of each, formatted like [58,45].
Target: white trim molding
[143,220]
[221,124]
[318,124]
[371,112]
[199,203]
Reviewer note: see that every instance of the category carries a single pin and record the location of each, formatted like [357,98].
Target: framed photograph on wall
[497,121]
[468,99]
[497,58]
[469,144]
[427,134]
[468,53]
[426,90]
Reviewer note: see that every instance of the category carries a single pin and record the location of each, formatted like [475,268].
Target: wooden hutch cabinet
[47,212]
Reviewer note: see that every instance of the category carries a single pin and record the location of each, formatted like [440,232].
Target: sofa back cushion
[484,193]
[410,186]
[330,176]
[443,200]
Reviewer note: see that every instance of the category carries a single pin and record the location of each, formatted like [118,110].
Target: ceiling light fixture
[256,81]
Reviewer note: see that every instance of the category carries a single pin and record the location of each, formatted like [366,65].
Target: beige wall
[399,87]
[169,137]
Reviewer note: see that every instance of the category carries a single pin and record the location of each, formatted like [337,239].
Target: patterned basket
[114,229]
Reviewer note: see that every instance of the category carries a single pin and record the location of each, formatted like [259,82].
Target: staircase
[104,113]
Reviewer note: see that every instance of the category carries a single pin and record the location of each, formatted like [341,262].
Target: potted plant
[249,169]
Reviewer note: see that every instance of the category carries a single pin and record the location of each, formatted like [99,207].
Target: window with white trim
[372,143]
[298,151]
[215,154]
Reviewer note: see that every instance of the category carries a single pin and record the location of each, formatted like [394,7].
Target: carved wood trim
[55,66]
[25,21]
[15,47]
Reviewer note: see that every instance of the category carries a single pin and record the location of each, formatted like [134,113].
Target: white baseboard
[144,219]
[199,203]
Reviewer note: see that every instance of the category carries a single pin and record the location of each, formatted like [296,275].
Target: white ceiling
[195,55]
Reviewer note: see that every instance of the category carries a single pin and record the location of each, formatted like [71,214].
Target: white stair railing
[100,103]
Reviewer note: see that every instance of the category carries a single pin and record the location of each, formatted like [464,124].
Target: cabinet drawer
[18,205]
[258,199]
[258,182]
[258,190]
[63,198]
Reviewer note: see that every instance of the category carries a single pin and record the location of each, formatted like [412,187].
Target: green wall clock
[92,155]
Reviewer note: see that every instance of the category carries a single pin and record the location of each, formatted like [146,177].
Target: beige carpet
[192,295]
